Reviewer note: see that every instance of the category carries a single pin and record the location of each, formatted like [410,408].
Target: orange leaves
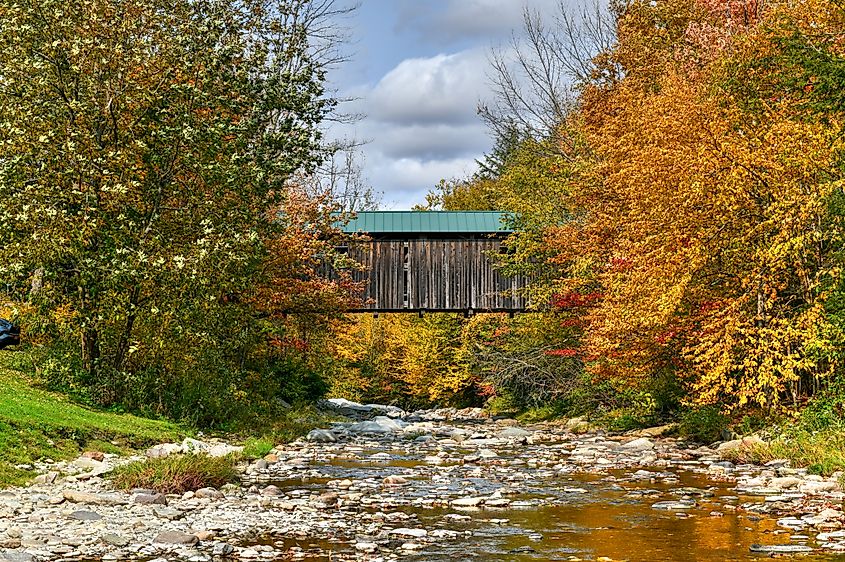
[300,258]
[704,203]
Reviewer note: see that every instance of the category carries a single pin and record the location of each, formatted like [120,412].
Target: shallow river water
[441,486]
[581,515]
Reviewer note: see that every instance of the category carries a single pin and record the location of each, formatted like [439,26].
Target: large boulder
[360,411]
[744,443]
[641,444]
[379,424]
[321,436]
[192,446]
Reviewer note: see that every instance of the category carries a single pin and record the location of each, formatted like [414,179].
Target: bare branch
[535,78]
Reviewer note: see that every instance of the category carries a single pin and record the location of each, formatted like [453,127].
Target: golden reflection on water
[606,524]
[602,524]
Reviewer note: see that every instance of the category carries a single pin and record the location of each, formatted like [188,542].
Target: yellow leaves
[399,357]
[715,195]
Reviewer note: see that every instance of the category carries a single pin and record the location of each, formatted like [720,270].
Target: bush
[703,424]
[826,410]
[176,474]
[298,382]
[295,423]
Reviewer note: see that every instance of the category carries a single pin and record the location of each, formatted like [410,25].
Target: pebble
[352,485]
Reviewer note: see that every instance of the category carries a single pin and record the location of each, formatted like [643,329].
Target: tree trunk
[125,337]
[90,350]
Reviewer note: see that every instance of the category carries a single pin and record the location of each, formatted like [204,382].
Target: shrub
[177,474]
[826,410]
[298,382]
[703,424]
[821,453]
[296,422]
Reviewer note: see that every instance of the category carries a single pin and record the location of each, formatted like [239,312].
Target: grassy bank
[35,424]
[819,452]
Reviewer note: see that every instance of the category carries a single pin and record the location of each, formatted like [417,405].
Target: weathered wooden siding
[442,275]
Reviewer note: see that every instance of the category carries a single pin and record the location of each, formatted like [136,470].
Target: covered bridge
[436,261]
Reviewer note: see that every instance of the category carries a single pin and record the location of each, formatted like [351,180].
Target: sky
[418,70]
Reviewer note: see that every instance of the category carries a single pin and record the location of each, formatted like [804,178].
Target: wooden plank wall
[443,275]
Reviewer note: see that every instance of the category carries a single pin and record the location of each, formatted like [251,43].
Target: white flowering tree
[142,143]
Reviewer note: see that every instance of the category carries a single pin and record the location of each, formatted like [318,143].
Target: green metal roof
[429,222]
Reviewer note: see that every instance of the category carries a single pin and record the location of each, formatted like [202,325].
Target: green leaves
[142,146]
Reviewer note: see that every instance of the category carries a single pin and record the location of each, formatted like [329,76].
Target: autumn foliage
[709,201]
[685,218]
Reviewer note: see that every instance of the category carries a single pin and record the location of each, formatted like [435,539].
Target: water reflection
[593,517]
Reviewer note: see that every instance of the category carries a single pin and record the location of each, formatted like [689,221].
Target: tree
[340,180]
[704,209]
[536,79]
[144,143]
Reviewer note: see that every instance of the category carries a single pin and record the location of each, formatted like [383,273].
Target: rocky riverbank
[427,485]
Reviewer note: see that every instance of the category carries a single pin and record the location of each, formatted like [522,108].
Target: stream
[439,485]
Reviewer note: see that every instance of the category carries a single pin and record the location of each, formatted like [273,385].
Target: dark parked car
[9,334]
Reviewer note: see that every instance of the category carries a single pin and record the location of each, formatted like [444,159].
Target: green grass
[35,424]
[256,448]
[820,452]
[176,474]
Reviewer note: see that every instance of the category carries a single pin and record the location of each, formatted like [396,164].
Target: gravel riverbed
[438,485]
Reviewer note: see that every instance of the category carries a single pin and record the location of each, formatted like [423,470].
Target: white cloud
[421,124]
[432,142]
[438,89]
[405,181]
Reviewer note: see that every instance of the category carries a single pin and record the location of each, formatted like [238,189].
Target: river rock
[222,549]
[176,537]
[209,493]
[83,515]
[357,410]
[404,532]
[785,483]
[818,486]
[514,433]
[194,446]
[578,425]
[394,480]
[641,444]
[321,436]
[115,540]
[830,536]
[163,450]
[734,444]
[15,556]
[46,478]
[94,499]
[780,548]
[674,505]
[657,431]
[467,502]
[150,499]
[379,424]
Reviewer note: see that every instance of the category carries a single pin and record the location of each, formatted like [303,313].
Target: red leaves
[574,299]
[486,390]
[567,352]
[620,264]
[290,344]
[665,337]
